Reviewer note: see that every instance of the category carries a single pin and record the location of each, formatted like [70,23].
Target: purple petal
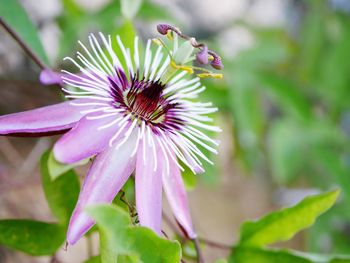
[52,119]
[105,178]
[148,184]
[177,197]
[84,140]
[49,77]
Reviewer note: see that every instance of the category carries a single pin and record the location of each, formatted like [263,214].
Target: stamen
[165,154]
[105,61]
[96,65]
[202,56]
[154,99]
[151,143]
[210,75]
[126,56]
[147,59]
[136,55]
[139,137]
[108,45]
[100,63]
[126,135]
[216,62]
[110,124]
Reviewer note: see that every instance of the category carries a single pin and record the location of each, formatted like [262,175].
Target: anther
[216,62]
[202,56]
[165,28]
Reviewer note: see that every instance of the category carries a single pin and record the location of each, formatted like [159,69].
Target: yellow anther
[186,68]
[157,41]
[169,35]
[210,75]
[182,67]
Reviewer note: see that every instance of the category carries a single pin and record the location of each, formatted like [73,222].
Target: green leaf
[127,36]
[151,11]
[62,192]
[284,224]
[76,24]
[332,227]
[188,249]
[130,8]
[56,168]
[189,178]
[335,66]
[312,41]
[287,95]
[340,260]
[322,258]
[120,238]
[248,255]
[32,237]
[332,164]
[287,148]
[245,104]
[16,17]
[95,259]
[217,93]
[156,249]
[295,149]
[257,255]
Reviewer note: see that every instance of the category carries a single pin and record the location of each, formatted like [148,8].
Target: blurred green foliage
[289,100]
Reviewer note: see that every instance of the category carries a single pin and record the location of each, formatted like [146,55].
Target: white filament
[100,63]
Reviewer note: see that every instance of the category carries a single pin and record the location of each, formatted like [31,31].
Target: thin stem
[200,258]
[23,45]
[54,259]
[208,242]
[173,227]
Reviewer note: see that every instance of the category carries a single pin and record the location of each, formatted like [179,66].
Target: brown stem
[208,242]
[173,227]
[23,45]
[200,258]
[54,259]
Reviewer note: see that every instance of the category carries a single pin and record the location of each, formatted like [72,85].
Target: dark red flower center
[144,100]
[147,103]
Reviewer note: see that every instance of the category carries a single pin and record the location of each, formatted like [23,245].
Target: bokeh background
[284,109]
